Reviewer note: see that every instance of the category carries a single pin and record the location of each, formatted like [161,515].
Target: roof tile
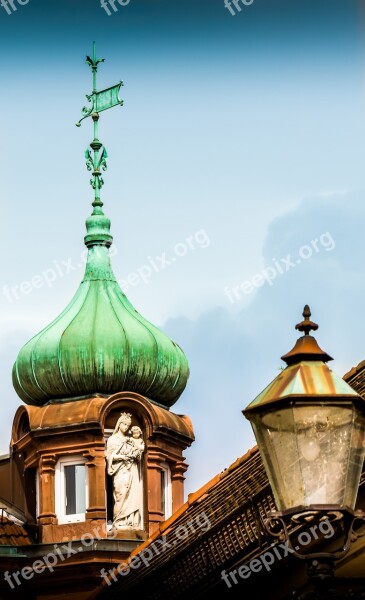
[12,534]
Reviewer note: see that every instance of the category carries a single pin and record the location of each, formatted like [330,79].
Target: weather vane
[100,101]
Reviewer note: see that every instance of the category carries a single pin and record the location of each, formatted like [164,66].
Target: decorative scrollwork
[93,61]
[89,160]
[97,182]
[86,111]
[95,164]
[96,155]
[350,526]
[103,158]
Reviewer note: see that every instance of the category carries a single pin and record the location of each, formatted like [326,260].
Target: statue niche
[123,453]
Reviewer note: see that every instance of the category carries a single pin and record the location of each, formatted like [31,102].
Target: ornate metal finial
[93,63]
[307,325]
[96,160]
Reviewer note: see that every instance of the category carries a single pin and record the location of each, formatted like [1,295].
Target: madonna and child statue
[124,452]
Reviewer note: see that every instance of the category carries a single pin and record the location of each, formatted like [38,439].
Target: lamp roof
[307,377]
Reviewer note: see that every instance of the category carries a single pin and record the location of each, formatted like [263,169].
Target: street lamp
[309,425]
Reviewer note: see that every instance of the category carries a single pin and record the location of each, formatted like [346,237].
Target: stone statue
[123,455]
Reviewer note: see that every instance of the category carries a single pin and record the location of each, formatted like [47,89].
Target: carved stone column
[46,490]
[178,470]
[155,514]
[96,506]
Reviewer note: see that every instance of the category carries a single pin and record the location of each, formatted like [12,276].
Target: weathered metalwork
[306,347]
[309,425]
[103,100]
[100,100]
[323,583]
[100,344]
[307,376]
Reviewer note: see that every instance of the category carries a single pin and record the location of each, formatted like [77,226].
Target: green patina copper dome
[100,344]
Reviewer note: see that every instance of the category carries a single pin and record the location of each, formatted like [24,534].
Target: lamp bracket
[288,526]
[284,526]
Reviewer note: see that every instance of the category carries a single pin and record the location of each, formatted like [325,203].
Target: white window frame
[68,461]
[168,490]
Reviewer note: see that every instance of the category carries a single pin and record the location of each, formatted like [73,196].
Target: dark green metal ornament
[103,100]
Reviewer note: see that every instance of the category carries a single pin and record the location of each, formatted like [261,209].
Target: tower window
[166,495]
[71,490]
[75,489]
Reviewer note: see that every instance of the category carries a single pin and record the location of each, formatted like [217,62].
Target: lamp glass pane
[313,454]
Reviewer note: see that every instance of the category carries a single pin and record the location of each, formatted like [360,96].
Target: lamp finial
[307,325]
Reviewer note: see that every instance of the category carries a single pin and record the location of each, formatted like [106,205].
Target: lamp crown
[307,325]
[306,347]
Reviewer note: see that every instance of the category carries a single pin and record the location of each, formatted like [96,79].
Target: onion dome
[99,344]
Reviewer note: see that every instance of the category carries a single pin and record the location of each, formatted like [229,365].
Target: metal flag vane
[96,160]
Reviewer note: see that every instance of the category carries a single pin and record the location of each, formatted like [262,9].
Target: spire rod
[96,158]
[94,65]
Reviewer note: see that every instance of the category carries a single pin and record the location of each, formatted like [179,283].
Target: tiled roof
[235,503]
[12,534]
[356,378]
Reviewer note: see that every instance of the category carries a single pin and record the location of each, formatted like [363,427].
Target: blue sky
[244,134]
